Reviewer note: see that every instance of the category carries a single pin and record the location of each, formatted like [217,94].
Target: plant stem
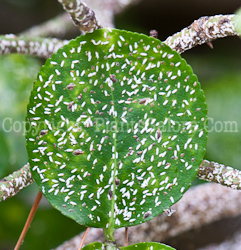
[126,237]
[29,220]
[83,239]
[105,10]
[40,47]
[215,172]
[109,233]
[82,16]
[55,27]
[110,246]
[13,183]
[203,30]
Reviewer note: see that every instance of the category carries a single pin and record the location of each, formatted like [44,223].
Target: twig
[232,243]
[126,237]
[62,24]
[95,234]
[55,27]
[83,239]
[29,220]
[203,30]
[199,206]
[106,9]
[40,47]
[120,5]
[215,172]
[82,16]
[13,183]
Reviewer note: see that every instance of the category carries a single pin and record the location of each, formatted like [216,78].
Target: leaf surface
[139,246]
[116,128]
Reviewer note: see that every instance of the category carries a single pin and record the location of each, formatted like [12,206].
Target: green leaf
[237,19]
[148,246]
[4,155]
[17,74]
[94,245]
[139,246]
[116,129]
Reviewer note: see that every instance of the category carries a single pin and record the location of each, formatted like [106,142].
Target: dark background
[218,71]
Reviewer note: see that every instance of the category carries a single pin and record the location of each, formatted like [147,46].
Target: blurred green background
[218,71]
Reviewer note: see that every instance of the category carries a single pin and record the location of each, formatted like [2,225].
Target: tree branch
[62,24]
[120,5]
[13,183]
[200,31]
[203,30]
[40,47]
[232,243]
[200,205]
[215,172]
[55,27]
[106,9]
[82,16]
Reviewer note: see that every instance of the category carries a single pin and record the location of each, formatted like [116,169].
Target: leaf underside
[115,128]
[139,246]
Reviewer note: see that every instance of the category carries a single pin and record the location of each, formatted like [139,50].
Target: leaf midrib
[109,231]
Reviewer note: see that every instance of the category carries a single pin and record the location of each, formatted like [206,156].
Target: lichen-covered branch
[82,16]
[203,30]
[231,242]
[106,9]
[122,4]
[62,24]
[208,171]
[215,172]
[13,183]
[199,206]
[55,27]
[40,47]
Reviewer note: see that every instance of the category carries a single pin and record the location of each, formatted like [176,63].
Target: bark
[55,27]
[13,183]
[39,47]
[105,10]
[215,172]
[82,16]
[232,243]
[62,24]
[200,205]
[203,30]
